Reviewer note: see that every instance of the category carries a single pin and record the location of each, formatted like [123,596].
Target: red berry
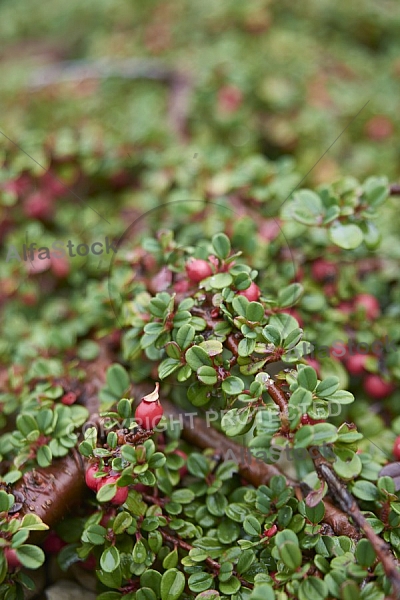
[230,98]
[323,270]
[60,266]
[91,481]
[396,448]
[356,364]
[376,387]
[89,564]
[345,307]
[11,558]
[271,531]
[252,293]
[148,414]
[370,304]
[38,206]
[180,287]
[69,398]
[198,269]
[307,420]
[121,493]
[53,543]
[379,128]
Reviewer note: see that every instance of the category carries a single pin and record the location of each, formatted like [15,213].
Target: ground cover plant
[199,351]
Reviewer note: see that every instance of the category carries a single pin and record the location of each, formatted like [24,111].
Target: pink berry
[230,98]
[314,364]
[148,414]
[38,206]
[60,267]
[356,364]
[11,558]
[345,307]
[307,420]
[121,493]
[323,270]
[396,448]
[53,543]
[91,481]
[69,398]
[198,269]
[376,387]
[89,564]
[270,532]
[370,304]
[252,293]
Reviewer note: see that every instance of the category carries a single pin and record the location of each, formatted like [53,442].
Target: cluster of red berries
[96,483]
[12,559]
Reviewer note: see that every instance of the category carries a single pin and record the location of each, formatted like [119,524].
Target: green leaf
[110,559]
[145,593]
[151,579]
[365,554]
[221,245]
[184,496]
[365,490]
[30,556]
[20,538]
[33,523]
[307,208]
[376,190]
[44,456]
[212,347]
[246,347]
[325,433]
[185,336]
[315,514]
[172,584]
[106,492]
[220,280]
[232,385]
[290,554]
[121,522]
[314,588]
[236,421]
[302,398]
[346,236]
[139,552]
[262,591]
[255,312]
[348,466]
[197,465]
[26,424]
[239,305]
[124,408]
[6,501]
[230,587]
[307,378]
[207,375]
[200,582]
[272,334]
[117,380]
[327,387]
[197,357]
[167,367]
[289,295]
[252,526]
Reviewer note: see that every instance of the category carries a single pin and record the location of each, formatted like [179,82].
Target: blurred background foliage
[274,77]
